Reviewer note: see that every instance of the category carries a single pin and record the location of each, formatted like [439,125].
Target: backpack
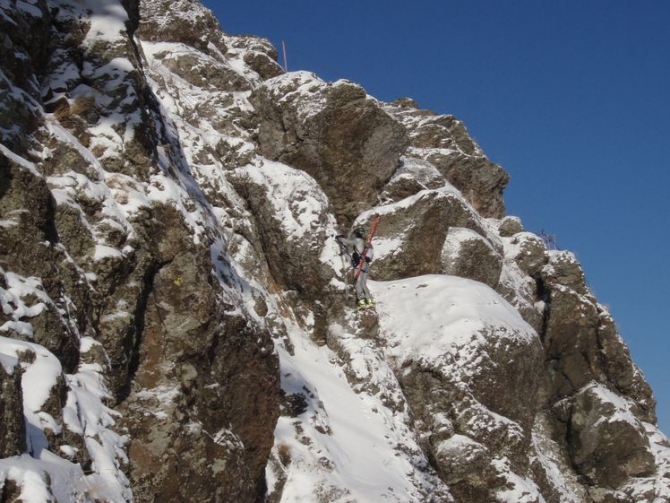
[355,259]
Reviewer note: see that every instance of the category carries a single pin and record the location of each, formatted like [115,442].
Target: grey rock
[412,233]
[509,226]
[622,372]
[293,258]
[444,141]
[468,255]
[563,269]
[260,55]
[182,21]
[462,421]
[13,436]
[607,443]
[29,248]
[530,253]
[412,176]
[334,132]
[203,71]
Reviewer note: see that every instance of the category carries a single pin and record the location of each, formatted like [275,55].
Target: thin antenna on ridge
[283,46]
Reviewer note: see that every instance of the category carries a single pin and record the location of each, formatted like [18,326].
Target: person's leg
[364,287]
[360,292]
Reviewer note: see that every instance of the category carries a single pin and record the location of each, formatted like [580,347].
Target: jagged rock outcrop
[590,404]
[292,221]
[334,132]
[116,280]
[411,177]
[463,390]
[174,319]
[29,247]
[183,22]
[574,326]
[607,443]
[411,240]
[468,255]
[444,142]
[13,438]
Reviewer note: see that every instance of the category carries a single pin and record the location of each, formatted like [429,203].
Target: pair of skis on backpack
[361,304]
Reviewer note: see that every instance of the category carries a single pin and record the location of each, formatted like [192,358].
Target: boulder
[622,372]
[334,132]
[563,269]
[570,329]
[570,341]
[509,226]
[13,433]
[607,443]
[481,181]
[260,55]
[520,290]
[469,255]
[524,257]
[29,247]
[444,142]
[412,234]
[24,50]
[180,21]
[471,385]
[293,225]
[412,176]
[201,70]
[191,24]
[465,466]
[529,253]
[204,392]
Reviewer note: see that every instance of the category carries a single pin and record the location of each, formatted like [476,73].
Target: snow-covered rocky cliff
[174,323]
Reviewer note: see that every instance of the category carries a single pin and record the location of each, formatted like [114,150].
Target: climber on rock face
[361,251]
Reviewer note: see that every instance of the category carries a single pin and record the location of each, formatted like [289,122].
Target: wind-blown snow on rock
[463,353]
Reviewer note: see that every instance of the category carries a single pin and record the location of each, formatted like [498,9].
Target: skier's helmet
[361,232]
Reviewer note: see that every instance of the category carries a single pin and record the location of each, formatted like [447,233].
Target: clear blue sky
[571,97]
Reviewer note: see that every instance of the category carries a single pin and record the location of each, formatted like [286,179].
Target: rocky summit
[177,321]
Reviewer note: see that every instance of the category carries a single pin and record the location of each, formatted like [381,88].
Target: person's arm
[348,242]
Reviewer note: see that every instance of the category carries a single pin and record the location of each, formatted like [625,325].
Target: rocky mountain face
[174,324]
